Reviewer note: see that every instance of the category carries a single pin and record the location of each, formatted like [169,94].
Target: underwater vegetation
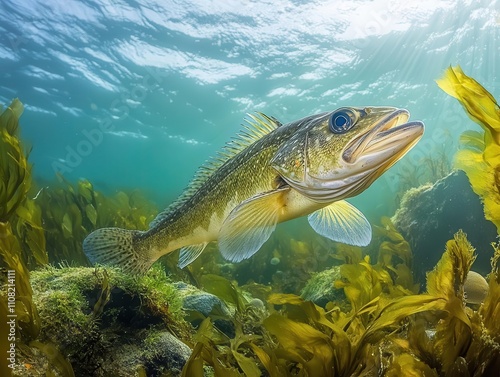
[22,242]
[21,214]
[14,167]
[71,211]
[480,157]
[19,223]
[388,329]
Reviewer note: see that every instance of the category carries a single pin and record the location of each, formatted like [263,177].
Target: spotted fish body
[271,173]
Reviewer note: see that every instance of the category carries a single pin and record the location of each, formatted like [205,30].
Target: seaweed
[71,211]
[206,351]
[447,280]
[480,157]
[15,170]
[390,276]
[458,342]
[395,255]
[15,183]
[331,343]
[22,241]
[388,328]
[29,230]
[28,320]
[490,310]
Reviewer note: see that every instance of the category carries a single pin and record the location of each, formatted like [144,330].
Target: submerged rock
[206,304]
[156,353]
[430,215]
[199,304]
[165,354]
[107,323]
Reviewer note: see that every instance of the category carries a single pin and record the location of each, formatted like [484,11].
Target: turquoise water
[138,94]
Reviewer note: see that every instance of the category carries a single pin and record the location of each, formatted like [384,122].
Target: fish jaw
[361,161]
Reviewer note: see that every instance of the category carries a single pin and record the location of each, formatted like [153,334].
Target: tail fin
[116,247]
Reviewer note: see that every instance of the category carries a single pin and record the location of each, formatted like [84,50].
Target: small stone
[166,354]
[206,303]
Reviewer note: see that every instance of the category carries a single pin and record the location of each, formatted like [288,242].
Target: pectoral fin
[342,222]
[189,253]
[249,225]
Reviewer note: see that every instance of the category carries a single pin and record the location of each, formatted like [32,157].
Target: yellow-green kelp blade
[480,157]
[479,104]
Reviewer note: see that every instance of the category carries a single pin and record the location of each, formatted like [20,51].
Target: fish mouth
[388,140]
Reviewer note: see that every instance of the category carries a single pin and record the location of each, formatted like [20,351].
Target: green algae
[155,289]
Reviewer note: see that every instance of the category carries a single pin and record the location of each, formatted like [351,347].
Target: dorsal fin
[255,127]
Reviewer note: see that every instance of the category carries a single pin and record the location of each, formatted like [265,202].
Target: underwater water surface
[125,100]
[171,82]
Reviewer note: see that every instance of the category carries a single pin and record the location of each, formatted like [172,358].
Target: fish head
[336,155]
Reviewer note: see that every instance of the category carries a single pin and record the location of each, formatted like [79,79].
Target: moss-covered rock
[320,289]
[105,322]
[432,214]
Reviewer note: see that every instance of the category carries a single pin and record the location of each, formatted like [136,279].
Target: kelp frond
[453,333]
[448,278]
[15,182]
[385,332]
[395,256]
[480,158]
[490,310]
[14,168]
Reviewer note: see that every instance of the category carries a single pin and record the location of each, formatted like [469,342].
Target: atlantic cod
[271,173]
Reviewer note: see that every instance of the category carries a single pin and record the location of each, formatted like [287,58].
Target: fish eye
[340,122]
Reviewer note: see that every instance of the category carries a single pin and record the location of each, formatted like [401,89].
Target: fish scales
[240,178]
